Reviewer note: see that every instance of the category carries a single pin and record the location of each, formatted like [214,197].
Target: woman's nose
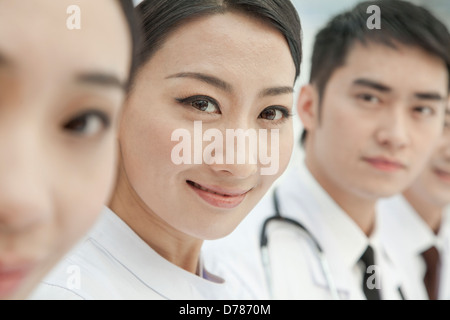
[24,186]
[237,155]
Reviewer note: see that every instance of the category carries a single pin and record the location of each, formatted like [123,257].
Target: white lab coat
[295,268]
[406,236]
[113,262]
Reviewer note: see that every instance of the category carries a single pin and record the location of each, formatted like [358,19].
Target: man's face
[381,116]
[433,184]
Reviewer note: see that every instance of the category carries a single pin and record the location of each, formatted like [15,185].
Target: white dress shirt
[295,270]
[113,262]
[406,236]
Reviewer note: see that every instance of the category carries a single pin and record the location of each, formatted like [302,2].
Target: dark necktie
[431,279]
[369,285]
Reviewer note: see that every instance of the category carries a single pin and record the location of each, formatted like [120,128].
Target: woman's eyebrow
[225,86]
[211,80]
[107,80]
[276,91]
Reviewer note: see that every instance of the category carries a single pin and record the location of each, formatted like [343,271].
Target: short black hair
[401,22]
[161,17]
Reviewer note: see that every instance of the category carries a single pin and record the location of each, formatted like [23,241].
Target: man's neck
[359,208]
[428,211]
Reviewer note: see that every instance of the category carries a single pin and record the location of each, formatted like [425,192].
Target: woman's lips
[11,277]
[219,197]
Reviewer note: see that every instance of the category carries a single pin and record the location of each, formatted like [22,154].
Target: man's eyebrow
[101,79]
[5,61]
[429,96]
[211,80]
[372,84]
[384,88]
[276,91]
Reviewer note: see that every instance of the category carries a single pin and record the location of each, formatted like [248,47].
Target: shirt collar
[340,237]
[403,225]
[443,236]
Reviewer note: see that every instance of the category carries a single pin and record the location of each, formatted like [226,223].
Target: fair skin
[229,71]
[381,117]
[61,93]
[430,193]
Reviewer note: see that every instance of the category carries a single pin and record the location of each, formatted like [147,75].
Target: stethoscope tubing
[319,251]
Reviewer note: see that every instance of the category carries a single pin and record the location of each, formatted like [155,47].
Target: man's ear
[308,106]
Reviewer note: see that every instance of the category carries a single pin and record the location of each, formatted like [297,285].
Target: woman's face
[61,91]
[214,77]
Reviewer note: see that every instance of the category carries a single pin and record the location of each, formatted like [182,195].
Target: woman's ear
[307,106]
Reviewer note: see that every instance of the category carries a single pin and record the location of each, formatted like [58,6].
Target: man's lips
[218,196]
[385,164]
[442,174]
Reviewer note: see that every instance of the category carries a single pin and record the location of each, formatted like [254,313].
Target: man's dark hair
[401,23]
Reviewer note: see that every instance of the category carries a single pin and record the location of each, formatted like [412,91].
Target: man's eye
[274,113]
[368,98]
[424,111]
[87,124]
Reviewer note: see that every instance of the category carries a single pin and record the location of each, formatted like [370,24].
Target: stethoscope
[319,251]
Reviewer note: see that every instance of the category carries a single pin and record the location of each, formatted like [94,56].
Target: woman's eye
[274,113]
[202,103]
[87,124]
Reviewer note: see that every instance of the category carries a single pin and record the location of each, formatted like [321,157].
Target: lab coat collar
[401,223]
[167,279]
[347,241]
[444,231]
[338,235]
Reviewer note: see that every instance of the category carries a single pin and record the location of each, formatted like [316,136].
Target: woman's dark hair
[161,17]
[401,23]
[135,32]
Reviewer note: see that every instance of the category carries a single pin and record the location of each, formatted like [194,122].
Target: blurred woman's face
[216,80]
[61,91]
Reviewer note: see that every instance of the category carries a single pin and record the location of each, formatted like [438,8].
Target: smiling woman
[230,65]
[59,109]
